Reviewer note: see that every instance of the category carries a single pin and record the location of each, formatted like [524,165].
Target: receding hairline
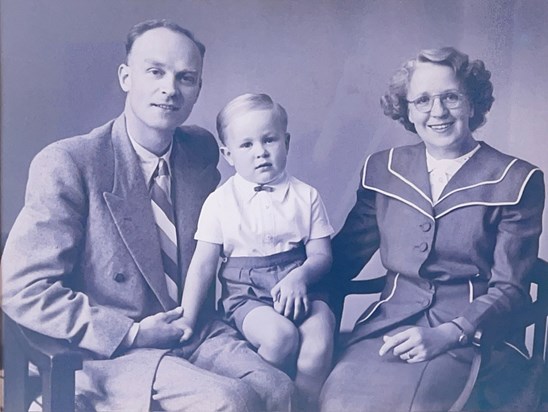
[143,27]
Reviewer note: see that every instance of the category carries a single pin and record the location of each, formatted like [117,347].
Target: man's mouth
[441,127]
[168,107]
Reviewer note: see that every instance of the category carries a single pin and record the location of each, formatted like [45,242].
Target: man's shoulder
[84,145]
[197,141]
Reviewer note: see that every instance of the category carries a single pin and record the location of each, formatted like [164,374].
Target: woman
[457,224]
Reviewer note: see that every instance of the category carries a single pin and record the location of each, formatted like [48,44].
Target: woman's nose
[438,108]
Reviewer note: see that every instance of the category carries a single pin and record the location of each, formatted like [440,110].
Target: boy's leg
[316,351]
[275,337]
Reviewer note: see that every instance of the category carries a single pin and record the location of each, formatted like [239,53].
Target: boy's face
[257,146]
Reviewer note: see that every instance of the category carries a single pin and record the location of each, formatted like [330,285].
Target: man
[100,249]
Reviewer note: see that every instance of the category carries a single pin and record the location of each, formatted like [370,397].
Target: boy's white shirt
[262,223]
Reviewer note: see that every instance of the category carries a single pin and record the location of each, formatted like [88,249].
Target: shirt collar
[148,160]
[449,166]
[247,188]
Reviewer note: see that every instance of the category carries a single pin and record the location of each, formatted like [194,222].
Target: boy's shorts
[247,281]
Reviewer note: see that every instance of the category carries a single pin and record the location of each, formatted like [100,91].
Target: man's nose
[168,85]
[438,108]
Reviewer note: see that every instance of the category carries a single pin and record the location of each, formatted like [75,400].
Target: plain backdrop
[327,61]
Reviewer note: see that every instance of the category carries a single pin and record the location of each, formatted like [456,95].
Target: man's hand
[418,344]
[290,296]
[159,330]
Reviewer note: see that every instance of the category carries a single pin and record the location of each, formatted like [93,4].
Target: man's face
[162,80]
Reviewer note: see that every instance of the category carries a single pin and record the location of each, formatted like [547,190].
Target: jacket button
[119,277]
[426,226]
[423,247]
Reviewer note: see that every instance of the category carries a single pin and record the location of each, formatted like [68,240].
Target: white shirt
[148,161]
[251,223]
[440,171]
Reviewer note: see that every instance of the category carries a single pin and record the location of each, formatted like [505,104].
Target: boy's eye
[246,145]
[269,139]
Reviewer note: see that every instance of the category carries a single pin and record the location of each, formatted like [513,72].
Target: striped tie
[165,222]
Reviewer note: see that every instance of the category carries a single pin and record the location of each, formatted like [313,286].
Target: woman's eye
[423,100]
[451,97]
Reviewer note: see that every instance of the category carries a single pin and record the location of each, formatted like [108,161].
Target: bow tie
[263,187]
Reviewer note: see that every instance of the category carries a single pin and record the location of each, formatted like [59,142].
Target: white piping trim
[487,182]
[511,203]
[471,294]
[380,302]
[404,179]
[517,350]
[392,195]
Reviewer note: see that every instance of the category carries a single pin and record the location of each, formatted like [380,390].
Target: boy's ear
[287,139]
[124,77]
[226,154]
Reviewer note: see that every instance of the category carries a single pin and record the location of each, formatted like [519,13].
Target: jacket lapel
[129,205]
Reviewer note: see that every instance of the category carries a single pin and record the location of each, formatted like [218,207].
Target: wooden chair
[55,360]
[534,314]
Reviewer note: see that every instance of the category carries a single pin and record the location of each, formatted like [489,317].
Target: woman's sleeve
[516,249]
[359,238]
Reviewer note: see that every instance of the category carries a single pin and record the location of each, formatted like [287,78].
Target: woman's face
[445,127]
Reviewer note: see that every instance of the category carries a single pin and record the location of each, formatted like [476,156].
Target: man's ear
[287,139]
[124,77]
[227,155]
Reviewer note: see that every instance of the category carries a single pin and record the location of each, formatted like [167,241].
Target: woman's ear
[227,155]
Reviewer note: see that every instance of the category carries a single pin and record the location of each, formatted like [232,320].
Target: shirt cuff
[130,336]
[466,326]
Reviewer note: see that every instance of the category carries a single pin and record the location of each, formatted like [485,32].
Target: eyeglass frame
[462,98]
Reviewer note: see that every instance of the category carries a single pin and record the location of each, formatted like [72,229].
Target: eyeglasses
[450,100]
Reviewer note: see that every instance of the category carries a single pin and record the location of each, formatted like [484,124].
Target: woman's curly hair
[472,75]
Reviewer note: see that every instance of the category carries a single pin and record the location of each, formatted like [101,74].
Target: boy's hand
[159,330]
[185,325]
[290,296]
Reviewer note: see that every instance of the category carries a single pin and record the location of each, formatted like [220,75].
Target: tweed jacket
[466,255]
[83,262]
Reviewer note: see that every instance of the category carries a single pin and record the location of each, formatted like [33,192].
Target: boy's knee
[284,340]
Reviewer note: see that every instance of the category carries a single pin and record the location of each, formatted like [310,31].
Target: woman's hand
[418,344]
[290,296]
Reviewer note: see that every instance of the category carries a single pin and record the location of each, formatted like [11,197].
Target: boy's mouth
[263,166]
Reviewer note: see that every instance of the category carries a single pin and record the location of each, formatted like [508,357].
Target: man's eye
[188,78]
[154,71]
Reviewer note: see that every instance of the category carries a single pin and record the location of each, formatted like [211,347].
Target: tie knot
[162,169]
[263,188]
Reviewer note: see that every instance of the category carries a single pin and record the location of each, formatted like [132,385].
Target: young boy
[273,233]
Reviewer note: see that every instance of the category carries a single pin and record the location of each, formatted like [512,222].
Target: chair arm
[44,351]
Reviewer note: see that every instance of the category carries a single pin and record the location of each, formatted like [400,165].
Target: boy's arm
[201,273]
[290,294]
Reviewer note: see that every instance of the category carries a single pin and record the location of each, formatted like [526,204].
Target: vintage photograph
[273,205]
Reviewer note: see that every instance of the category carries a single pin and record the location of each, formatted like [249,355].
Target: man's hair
[147,25]
[245,103]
